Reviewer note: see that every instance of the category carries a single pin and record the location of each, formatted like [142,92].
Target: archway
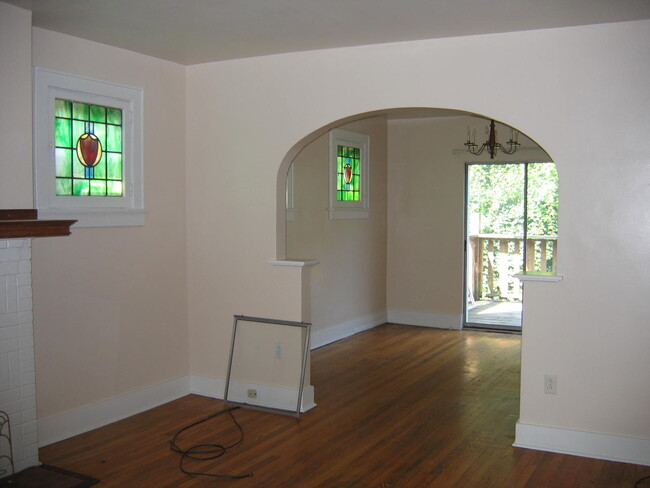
[417,190]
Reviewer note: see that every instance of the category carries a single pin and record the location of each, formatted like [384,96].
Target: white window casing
[347,209]
[90,211]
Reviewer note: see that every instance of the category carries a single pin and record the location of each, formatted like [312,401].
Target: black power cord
[205,452]
[638,482]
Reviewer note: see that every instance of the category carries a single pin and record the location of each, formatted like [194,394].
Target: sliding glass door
[511,226]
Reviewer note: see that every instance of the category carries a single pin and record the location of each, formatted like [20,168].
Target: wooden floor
[398,407]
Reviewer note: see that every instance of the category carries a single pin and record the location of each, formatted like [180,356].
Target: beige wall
[586,85]
[350,281]
[16,103]
[426,212]
[110,305]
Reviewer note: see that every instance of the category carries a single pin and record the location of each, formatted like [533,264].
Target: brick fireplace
[17,371]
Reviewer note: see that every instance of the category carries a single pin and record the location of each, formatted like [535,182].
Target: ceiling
[199,31]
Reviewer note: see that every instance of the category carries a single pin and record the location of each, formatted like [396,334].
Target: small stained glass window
[348,186]
[349,182]
[88,149]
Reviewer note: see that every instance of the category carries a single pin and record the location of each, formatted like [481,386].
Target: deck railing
[495,258]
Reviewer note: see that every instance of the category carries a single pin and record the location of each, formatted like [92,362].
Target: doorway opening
[511,215]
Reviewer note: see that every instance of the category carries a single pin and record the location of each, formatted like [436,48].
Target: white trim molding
[89,211]
[322,337]
[349,210]
[582,443]
[426,319]
[294,263]
[539,276]
[74,422]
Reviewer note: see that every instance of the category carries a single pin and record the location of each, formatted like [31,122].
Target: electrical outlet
[279,350]
[550,384]
[252,393]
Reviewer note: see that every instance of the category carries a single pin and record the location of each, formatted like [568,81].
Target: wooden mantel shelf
[23,224]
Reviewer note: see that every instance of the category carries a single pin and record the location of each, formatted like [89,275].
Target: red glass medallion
[89,150]
[347,173]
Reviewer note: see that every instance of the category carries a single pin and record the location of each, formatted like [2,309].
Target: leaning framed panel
[268,360]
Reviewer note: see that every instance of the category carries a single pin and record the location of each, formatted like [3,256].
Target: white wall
[16,103]
[110,304]
[426,215]
[571,89]
[348,287]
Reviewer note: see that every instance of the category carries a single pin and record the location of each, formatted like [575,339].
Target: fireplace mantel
[24,224]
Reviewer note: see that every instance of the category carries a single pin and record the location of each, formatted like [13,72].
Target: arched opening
[404,262]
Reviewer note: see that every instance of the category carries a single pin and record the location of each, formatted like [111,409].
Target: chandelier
[492,144]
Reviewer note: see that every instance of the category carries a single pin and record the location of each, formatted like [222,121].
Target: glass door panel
[495,244]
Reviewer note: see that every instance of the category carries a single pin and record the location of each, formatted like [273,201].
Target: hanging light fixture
[492,144]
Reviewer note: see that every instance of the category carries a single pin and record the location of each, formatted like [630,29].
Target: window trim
[342,209]
[90,211]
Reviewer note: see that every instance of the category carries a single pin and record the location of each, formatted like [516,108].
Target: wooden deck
[398,407]
[499,313]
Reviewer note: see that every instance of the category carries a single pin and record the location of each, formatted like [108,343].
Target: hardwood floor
[398,407]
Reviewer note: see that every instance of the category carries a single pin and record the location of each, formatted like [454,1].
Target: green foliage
[496,195]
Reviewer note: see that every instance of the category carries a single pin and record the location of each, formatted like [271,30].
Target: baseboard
[63,426]
[335,333]
[581,443]
[425,319]
[58,427]
[207,386]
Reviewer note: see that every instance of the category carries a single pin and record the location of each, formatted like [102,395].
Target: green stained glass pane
[63,186]
[80,187]
[339,165]
[63,162]
[62,108]
[98,188]
[100,131]
[356,181]
[355,167]
[78,128]
[100,169]
[78,169]
[339,151]
[97,113]
[114,166]
[62,132]
[80,111]
[113,138]
[114,188]
[357,153]
[114,116]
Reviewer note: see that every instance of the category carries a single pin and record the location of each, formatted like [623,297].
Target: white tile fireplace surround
[17,373]
[17,378]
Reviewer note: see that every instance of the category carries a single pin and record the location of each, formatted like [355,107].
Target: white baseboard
[268,396]
[426,319]
[58,427]
[63,426]
[581,443]
[335,333]
[207,386]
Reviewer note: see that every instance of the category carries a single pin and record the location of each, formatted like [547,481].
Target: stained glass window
[88,149]
[348,177]
[349,169]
